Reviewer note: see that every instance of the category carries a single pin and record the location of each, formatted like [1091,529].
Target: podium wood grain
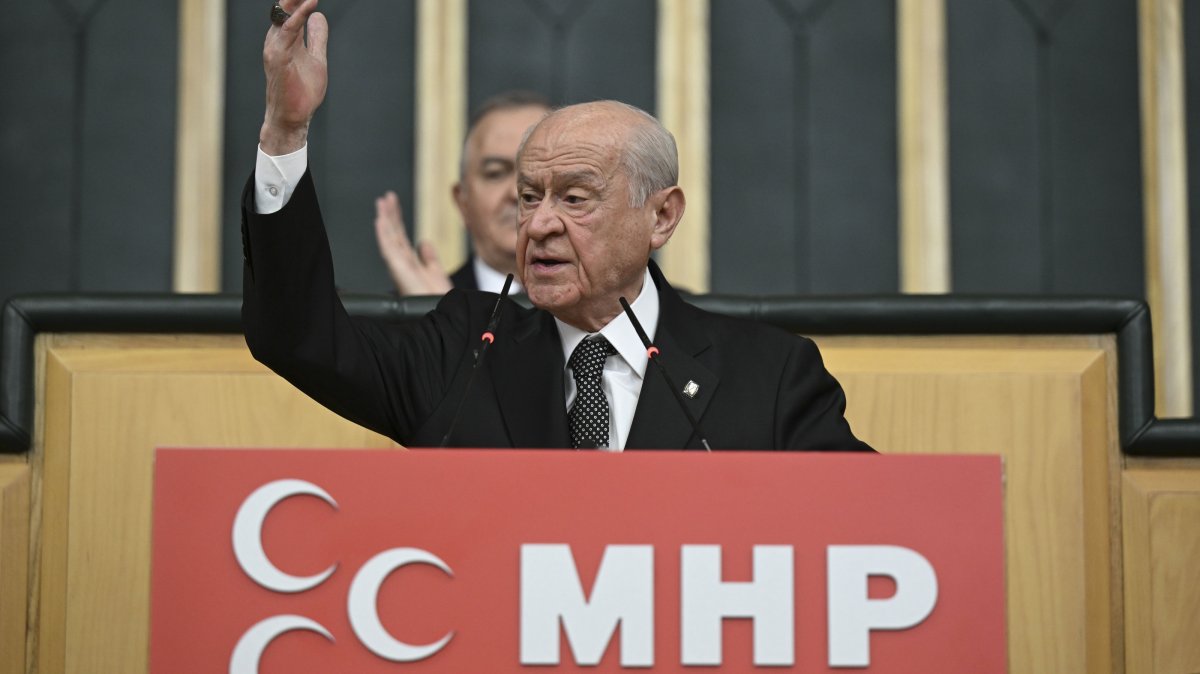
[14,561]
[1162,564]
[110,401]
[1047,408]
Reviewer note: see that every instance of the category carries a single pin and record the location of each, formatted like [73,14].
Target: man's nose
[544,221]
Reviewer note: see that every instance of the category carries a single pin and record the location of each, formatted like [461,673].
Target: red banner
[507,561]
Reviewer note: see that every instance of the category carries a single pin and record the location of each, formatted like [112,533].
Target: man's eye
[574,199]
[529,197]
[496,174]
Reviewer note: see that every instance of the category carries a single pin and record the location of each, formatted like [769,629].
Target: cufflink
[691,388]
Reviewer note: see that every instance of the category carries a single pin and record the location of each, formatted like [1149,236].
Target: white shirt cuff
[275,178]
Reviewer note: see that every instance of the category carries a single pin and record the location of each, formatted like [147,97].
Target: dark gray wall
[1045,159]
[567,50]
[804,146]
[361,141]
[87,145]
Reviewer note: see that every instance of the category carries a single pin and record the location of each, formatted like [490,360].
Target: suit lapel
[527,372]
[658,422]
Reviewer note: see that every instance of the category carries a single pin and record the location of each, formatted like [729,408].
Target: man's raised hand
[297,76]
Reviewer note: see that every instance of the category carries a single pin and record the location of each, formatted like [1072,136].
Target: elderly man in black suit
[597,195]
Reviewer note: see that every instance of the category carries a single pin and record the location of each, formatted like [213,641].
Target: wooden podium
[1101,544]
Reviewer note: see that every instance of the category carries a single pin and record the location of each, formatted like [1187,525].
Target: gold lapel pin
[691,388]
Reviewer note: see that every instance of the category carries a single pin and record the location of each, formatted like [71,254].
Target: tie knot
[587,360]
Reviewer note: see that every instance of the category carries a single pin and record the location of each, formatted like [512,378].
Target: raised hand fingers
[389,226]
[291,30]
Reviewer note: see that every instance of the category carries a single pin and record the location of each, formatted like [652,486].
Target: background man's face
[486,197]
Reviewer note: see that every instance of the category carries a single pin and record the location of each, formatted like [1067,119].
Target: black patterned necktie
[589,415]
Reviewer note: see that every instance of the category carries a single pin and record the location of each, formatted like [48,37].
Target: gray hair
[649,159]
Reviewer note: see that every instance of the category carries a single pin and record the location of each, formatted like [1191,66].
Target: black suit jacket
[464,278]
[759,387]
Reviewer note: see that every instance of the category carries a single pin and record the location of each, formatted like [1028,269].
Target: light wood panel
[14,564]
[1164,170]
[683,108]
[1162,566]
[924,166]
[108,407]
[199,142]
[441,124]
[1048,412]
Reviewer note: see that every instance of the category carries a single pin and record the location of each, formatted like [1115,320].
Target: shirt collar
[490,280]
[620,332]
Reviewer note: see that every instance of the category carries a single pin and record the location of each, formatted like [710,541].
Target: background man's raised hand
[413,272]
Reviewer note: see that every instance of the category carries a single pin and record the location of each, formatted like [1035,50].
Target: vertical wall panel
[361,141]
[804,146]
[129,146]
[567,50]
[1191,48]
[1045,165]
[36,152]
[87,128]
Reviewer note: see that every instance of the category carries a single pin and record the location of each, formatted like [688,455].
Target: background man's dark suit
[759,387]
[464,277]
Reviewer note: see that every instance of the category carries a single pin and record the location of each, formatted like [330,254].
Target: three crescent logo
[361,604]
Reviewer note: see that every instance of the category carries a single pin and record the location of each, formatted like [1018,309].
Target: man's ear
[456,192]
[668,205]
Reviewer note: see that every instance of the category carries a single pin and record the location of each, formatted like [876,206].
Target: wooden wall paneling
[924,173]
[1164,170]
[1162,580]
[14,565]
[197,244]
[1045,406]
[683,97]
[1191,68]
[441,95]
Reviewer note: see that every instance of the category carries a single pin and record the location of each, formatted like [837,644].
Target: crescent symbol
[247,536]
[250,647]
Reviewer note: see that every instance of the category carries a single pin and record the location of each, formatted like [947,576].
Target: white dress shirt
[490,280]
[624,371]
[275,179]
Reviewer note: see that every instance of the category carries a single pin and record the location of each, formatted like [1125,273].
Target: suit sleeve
[389,377]
[810,405]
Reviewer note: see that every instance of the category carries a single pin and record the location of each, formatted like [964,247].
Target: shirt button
[273,190]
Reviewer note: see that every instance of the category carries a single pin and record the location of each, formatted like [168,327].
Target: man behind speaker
[597,194]
[485,195]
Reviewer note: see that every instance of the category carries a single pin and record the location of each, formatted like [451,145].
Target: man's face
[486,197]
[580,245]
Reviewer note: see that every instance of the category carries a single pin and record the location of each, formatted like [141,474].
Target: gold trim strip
[198,141]
[1164,172]
[924,175]
[683,107]
[441,120]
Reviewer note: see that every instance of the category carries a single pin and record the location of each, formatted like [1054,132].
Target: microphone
[652,354]
[486,339]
